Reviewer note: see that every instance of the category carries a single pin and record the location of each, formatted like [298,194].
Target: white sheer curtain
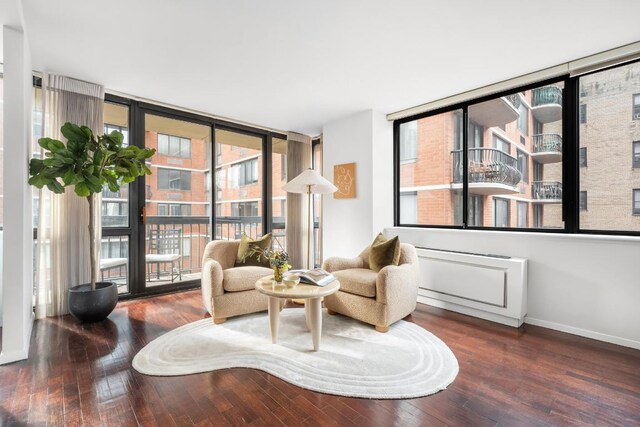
[62,256]
[298,160]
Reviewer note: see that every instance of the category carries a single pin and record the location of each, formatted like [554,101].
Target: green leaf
[50,144]
[69,177]
[75,133]
[82,190]
[35,166]
[53,162]
[55,186]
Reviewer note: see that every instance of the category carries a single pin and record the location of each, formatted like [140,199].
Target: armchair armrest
[336,263]
[222,251]
[397,283]
[212,276]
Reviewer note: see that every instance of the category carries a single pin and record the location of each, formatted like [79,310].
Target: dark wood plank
[81,375]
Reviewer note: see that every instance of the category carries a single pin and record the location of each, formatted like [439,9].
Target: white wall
[17,274]
[350,224]
[586,285]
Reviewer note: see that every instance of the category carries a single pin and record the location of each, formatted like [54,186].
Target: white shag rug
[354,360]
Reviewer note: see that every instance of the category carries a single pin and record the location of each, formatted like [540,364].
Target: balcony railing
[515,100]
[487,165]
[547,95]
[546,190]
[547,142]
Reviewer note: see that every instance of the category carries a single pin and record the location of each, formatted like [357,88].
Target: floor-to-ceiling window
[239,184]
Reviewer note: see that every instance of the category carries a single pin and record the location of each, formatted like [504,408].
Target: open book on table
[317,276]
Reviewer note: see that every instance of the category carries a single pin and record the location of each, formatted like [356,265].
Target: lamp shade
[309,181]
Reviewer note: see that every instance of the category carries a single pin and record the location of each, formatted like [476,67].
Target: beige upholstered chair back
[223,251]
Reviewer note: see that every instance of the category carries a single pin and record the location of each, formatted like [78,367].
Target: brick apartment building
[515,159]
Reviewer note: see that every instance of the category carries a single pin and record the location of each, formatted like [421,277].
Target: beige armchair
[227,290]
[379,299]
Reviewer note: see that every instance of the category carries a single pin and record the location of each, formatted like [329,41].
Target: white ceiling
[298,64]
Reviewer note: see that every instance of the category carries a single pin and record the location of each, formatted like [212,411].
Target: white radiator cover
[490,287]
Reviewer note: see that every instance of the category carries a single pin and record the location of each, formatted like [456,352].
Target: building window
[636,106]
[207,181]
[501,144]
[500,212]
[636,154]
[537,216]
[174,146]
[583,200]
[409,207]
[244,173]
[636,201]
[523,214]
[244,209]
[172,179]
[523,165]
[523,120]
[476,135]
[583,113]
[174,209]
[408,141]
[583,157]
[476,207]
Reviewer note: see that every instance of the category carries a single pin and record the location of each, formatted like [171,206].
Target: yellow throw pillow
[247,244]
[384,252]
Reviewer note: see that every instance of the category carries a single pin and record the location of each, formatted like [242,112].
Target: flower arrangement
[278,260]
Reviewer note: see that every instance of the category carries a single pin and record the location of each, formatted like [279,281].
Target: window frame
[635,199]
[635,156]
[570,154]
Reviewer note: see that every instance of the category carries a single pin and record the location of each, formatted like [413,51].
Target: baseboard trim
[583,332]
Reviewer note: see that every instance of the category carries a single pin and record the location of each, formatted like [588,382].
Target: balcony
[495,112]
[547,148]
[546,192]
[547,104]
[491,171]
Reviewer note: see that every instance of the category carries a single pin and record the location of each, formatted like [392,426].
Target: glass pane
[115,204]
[510,136]
[608,133]
[279,196]
[114,262]
[177,201]
[238,185]
[431,181]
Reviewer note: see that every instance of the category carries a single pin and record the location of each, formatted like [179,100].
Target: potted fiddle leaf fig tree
[87,163]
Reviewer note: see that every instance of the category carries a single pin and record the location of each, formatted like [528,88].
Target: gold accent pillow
[245,256]
[384,252]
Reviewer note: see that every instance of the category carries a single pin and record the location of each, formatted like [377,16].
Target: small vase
[278,272]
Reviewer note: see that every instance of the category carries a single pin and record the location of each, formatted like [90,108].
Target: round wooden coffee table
[312,296]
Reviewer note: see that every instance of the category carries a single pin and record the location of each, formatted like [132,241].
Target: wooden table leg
[315,321]
[274,314]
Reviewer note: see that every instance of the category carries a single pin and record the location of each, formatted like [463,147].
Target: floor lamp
[309,182]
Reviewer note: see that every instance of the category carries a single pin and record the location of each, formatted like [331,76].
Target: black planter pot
[92,306]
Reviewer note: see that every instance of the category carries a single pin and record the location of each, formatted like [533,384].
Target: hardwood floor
[82,375]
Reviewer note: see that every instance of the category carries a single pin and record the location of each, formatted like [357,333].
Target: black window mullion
[396,173]
[465,168]
[266,183]
[570,153]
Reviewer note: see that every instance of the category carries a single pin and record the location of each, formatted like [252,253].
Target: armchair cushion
[247,244]
[239,279]
[384,252]
[358,281]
